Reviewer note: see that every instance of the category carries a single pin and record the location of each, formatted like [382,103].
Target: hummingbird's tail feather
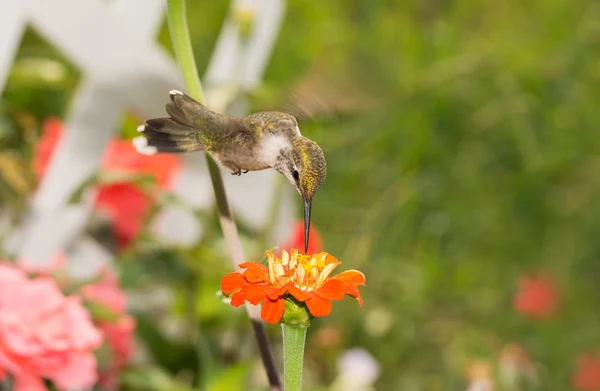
[191,127]
[168,129]
[165,135]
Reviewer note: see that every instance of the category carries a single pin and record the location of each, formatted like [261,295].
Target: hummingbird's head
[309,167]
[306,169]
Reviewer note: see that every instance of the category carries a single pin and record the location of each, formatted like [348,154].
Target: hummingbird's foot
[236,172]
[245,171]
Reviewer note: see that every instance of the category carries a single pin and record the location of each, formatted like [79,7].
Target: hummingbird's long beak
[307,205]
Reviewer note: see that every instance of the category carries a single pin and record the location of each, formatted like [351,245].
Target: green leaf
[100,312]
[168,354]
[152,379]
[231,379]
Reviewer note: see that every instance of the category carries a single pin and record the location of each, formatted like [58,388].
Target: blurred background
[463,179]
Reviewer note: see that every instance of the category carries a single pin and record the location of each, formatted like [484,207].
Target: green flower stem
[206,363]
[182,46]
[293,356]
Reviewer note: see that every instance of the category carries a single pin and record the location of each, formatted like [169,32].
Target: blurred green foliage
[474,162]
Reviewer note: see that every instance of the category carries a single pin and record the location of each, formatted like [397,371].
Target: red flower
[537,297]
[315,243]
[305,277]
[51,134]
[587,375]
[127,207]
[126,203]
[121,156]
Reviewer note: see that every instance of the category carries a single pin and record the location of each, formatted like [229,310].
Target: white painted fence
[113,45]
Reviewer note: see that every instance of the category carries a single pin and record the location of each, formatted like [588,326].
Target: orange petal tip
[232,282]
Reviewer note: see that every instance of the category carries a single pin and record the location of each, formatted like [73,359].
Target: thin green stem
[201,347]
[180,37]
[176,15]
[293,356]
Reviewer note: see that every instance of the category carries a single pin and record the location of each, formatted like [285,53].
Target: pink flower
[537,296]
[126,204]
[107,292]
[587,375]
[44,334]
[119,334]
[120,338]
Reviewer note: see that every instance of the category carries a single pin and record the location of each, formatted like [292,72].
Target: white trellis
[113,45]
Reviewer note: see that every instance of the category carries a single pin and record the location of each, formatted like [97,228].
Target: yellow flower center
[306,272]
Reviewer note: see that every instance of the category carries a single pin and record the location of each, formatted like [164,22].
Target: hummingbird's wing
[190,127]
[211,126]
[321,93]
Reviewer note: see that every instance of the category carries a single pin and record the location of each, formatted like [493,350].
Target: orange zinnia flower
[304,277]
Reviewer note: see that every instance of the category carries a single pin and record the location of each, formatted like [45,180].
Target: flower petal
[232,282]
[272,310]
[78,371]
[128,207]
[255,272]
[238,298]
[318,306]
[278,292]
[332,290]
[29,382]
[258,292]
[351,277]
[326,272]
[330,259]
[297,293]
[352,291]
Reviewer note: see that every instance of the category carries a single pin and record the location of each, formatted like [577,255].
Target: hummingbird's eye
[296,176]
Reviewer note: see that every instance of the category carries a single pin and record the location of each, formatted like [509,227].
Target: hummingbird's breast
[260,155]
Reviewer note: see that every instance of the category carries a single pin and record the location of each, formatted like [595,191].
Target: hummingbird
[259,141]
